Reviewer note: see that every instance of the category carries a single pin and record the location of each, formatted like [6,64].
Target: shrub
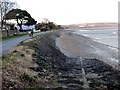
[26,77]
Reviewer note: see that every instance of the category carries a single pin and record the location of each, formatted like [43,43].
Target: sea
[106,36]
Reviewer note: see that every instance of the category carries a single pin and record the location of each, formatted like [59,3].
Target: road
[8,44]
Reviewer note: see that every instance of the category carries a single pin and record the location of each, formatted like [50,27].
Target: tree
[21,16]
[47,26]
[5,7]
[51,25]
[45,20]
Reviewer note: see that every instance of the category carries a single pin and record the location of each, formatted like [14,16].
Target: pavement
[8,44]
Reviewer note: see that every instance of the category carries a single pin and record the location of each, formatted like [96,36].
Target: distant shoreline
[101,28]
[95,28]
[91,26]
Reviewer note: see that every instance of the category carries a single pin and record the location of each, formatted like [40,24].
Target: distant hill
[90,25]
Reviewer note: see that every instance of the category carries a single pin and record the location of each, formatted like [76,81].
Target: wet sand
[74,45]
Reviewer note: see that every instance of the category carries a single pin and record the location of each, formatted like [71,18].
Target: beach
[76,45]
[64,60]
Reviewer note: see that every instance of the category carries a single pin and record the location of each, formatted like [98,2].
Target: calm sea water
[106,36]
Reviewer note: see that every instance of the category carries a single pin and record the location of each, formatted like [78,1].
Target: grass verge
[7,58]
[10,56]
[10,37]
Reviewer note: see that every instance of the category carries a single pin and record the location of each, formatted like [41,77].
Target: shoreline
[108,37]
[70,43]
[46,67]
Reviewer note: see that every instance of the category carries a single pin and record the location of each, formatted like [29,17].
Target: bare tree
[5,7]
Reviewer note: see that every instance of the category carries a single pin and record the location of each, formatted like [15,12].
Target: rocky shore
[58,65]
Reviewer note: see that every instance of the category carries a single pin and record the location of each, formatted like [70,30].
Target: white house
[25,27]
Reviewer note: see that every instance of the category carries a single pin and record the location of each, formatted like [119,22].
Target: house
[25,27]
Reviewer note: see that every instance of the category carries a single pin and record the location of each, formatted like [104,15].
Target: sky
[66,12]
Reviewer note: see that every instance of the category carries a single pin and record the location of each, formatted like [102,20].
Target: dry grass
[16,66]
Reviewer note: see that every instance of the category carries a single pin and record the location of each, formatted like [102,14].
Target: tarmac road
[8,44]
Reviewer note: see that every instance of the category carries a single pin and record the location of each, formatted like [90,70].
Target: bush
[26,77]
